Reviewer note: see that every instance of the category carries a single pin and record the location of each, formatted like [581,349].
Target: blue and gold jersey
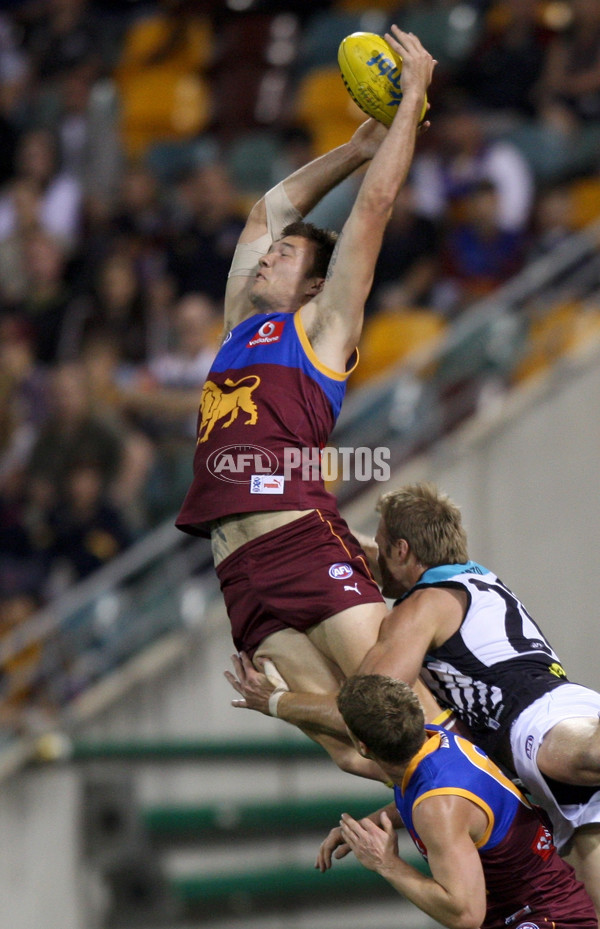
[266,411]
[449,764]
[527,882]
[278,339]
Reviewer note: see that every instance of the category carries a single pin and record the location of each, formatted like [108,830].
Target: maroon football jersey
[527,883]
[266,411]
[542,884]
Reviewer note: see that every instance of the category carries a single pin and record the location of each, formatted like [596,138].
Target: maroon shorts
[295,576]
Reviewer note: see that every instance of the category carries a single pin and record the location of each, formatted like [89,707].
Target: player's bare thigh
[301,664]
[306,670]
[306,661]
[571,751]
[346,637]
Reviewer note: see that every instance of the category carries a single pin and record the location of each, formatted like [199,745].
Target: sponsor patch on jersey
[529,746]
[267,484]
[268,333]
[340,571]
[542,845]
[421,847]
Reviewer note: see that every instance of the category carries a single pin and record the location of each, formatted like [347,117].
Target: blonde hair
[428,520]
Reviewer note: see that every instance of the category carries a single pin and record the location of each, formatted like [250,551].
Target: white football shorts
[527,734]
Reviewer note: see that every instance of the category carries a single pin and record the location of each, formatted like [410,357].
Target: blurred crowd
[134,138]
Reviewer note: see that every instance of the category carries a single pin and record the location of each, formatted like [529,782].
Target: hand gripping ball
[371,71]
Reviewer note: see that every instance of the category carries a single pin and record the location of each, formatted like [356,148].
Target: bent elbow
[350,762]
[468,923]
[471,917]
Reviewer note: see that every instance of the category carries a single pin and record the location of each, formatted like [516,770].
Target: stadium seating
[393,335]
[162,89]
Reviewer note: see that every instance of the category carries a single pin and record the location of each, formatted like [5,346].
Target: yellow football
[371,71]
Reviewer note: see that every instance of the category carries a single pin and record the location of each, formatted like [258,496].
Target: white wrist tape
[278,682]
[280,211]
[247,255]
[274,701]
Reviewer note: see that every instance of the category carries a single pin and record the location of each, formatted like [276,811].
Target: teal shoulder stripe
[444,572]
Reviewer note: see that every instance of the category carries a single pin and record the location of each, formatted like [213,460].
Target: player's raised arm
[288,201]
[333,320]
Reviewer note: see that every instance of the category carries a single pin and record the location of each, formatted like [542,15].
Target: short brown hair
[428,520]
[323,239]
[385,714]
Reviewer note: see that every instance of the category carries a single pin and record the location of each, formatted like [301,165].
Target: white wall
[39,870]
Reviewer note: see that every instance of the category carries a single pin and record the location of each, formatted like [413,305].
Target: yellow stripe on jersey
[487,765]
[442,718]
[312,356]
[431,745]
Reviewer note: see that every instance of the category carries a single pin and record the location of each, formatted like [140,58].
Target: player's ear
[402,549]
[358,744]
[315,286]
[363,750]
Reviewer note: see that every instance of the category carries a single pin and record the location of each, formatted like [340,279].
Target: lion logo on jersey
[216,403]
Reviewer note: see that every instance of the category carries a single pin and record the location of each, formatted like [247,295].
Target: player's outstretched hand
[376,847]
[255,687]
[334,843]
[417,63]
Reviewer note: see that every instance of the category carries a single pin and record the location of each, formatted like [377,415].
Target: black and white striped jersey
[498,662]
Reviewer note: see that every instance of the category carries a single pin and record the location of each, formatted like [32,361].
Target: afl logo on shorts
[529,746]
[268,333]
[340,572]
[528,926]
